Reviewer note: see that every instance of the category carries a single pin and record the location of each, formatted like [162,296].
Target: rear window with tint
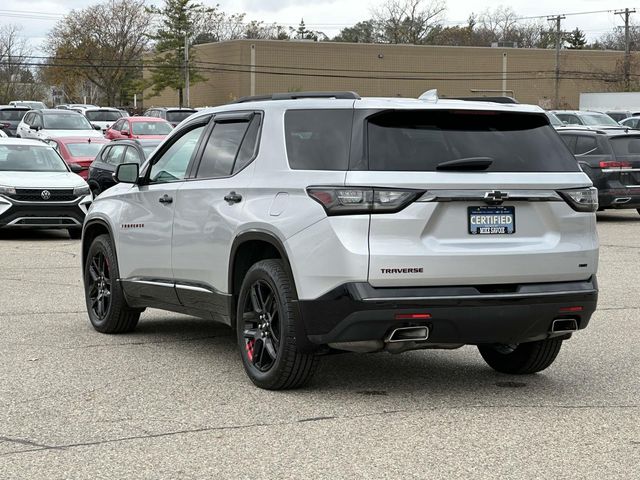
[318,139]
[12,115]
[176,116]
[625,146]
[419,140]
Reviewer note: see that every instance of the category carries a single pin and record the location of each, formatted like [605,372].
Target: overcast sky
[330,16]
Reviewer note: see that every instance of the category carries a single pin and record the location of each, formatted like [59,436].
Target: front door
[146,220]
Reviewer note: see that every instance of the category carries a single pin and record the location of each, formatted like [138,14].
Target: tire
[95,190]
[75,233]
[265,326]
[524,359]
[638,210]
[108,312]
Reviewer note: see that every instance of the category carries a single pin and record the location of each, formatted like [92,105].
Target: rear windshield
[318,139]
[84,149]
[625,146]
[151,128]
[420,140]
[103,115]
[14,115]
[176,116]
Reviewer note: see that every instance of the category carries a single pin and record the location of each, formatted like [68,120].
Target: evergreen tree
[576,39]
[179,22]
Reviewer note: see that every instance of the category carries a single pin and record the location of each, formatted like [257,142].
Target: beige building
[253,67]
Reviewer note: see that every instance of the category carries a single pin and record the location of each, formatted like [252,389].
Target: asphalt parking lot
[172,401]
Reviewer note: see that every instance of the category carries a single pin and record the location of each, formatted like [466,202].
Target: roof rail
[497,99]
[299,95]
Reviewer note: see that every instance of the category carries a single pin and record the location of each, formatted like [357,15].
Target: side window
[117,125]
[114,156]
[171,166]
[570,119]
[221,149]
[249,147]
[37,120]
[124,126]
[28,118]
[586,145]
[570,140]
[131,155]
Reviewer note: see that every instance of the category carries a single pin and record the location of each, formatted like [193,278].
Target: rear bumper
[457,315]
[619,197]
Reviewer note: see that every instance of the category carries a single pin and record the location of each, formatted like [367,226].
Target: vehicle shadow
[618,217]
[439,374]
[33,235]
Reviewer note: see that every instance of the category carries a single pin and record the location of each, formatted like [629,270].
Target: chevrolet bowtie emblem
[496,196]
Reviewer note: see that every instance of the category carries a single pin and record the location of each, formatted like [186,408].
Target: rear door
[486,211]
[209,209]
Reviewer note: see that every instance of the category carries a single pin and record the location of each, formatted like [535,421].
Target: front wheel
[266,335]
[106,305]
[525,358]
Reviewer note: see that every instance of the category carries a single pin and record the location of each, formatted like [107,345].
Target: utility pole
[186,69]
[627,46]
[557,19]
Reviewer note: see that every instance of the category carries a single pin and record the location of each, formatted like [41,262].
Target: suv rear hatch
[485,207]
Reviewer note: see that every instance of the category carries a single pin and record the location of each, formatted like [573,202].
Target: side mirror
[97,127]
[37,128]
[127,173]
[125,132]
[75,168]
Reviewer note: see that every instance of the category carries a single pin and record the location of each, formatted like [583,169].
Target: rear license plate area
[491,220]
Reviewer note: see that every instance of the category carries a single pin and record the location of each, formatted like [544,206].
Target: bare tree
[409,21]
[17,79]
[103,44]
[501,22]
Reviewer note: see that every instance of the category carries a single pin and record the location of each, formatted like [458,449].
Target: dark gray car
[10,117]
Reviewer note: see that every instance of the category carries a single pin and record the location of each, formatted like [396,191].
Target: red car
[78,150]
[139,127]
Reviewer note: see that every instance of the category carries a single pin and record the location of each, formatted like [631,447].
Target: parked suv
[317,222]
[612,161]
[10,117]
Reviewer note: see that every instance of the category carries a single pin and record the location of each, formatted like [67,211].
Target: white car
[56,123]
[315,222]
[38,189]
[103,117]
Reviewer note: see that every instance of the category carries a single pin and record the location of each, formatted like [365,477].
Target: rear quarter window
[318,139]
[419,140]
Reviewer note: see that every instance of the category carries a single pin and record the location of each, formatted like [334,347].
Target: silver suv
[318,222]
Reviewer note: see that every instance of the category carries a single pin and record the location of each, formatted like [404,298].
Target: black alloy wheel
[267,316]
[106,304]
[99,286]
[261,326]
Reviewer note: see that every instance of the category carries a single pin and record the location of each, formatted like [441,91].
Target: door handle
[165,199]
[233,197]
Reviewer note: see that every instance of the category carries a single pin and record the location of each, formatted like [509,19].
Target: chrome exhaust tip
[621,200]
[408,334]
[564,325]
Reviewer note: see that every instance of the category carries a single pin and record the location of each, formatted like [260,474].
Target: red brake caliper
[250,344]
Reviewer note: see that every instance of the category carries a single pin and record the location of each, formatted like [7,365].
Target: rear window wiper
[469,164]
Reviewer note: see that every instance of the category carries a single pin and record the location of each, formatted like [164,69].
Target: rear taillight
[581,199]
[358,200]
[615,164]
